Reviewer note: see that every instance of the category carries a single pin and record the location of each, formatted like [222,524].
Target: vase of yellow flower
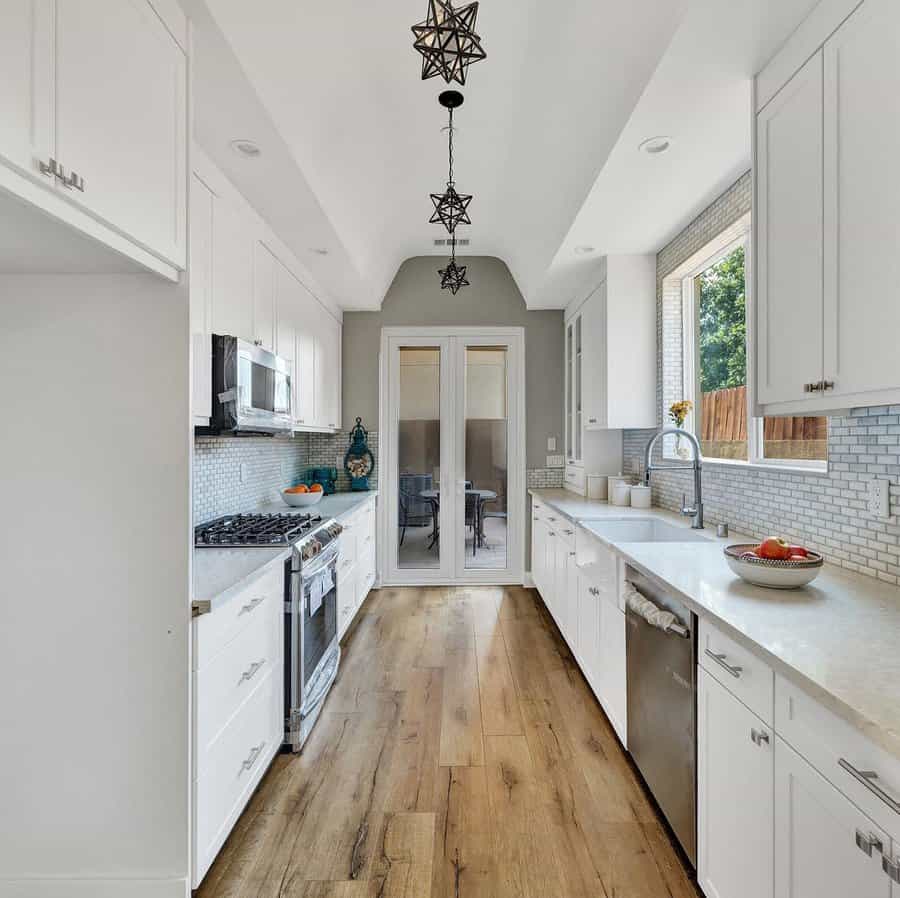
[678,412]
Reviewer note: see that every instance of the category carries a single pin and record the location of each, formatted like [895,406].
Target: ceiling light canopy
[447,41]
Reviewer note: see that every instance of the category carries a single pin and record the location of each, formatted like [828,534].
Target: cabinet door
[331,372]
[538,538]
[594,360]
[287,312]
[589,631]
[26,79]
[816,851]
[789,210]
[232,306]
[121,116]
[735,773]
[862,199]
[264,296]
[202,200]
[306,367]
[560,583]
[614,694]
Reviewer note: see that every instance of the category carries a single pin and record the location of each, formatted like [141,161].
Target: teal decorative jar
[359,461]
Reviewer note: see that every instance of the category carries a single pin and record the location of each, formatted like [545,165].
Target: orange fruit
[298,489]
[316,488]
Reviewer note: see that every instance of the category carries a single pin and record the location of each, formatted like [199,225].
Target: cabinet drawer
[738,670]
[221,687]
[565,530]
[827,740]
[213,631]
[234,768]
[574,478]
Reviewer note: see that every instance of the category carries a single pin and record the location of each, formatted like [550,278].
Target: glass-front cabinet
[573,389]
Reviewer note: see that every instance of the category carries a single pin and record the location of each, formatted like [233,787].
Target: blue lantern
[359,461]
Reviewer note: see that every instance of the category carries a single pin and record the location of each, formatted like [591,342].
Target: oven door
[263,390]
[318,625]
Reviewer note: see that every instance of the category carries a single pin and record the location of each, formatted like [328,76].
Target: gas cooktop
[246,530]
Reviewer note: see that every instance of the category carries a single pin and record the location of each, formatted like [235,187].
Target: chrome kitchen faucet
[695,513]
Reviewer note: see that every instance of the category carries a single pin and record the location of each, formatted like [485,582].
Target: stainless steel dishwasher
[662,708]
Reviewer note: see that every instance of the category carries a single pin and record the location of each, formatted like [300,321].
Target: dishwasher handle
[660,618]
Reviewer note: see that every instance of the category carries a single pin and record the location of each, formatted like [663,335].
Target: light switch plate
[555,461]
[551,444]
[879,498]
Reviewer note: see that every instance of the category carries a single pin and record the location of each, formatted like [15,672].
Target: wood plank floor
[460,754]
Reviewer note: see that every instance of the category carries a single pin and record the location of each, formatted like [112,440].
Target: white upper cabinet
[611,360]
[233,248]
[93,109]
[201,286]
[862,201]
[26,83]
[263,296]
[828,214]
[789,220]
[242,284]
[121,118]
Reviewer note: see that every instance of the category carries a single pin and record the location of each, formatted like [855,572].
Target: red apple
[799,550]
[774,547]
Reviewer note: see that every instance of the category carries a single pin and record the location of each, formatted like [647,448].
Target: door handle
[719,658]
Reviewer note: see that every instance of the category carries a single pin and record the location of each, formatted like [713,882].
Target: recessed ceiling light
[655,145]
[246,148]
[583,250]
[320,250]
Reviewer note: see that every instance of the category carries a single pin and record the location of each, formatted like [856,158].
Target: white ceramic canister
[621,494]
[641,496]
[597,486]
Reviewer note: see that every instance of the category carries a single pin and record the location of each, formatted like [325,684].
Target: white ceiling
[546,140]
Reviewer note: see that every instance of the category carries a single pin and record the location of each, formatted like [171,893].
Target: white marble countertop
[219,574]
[838,638]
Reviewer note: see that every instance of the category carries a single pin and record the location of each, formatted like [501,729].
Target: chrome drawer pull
[759,737]
[892,868]
[866,843]
[251,605]
[251,671]
[867,778]
[719,658]
[569,532]
[250,760]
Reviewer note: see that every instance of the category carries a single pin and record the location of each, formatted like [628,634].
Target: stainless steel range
[311,650]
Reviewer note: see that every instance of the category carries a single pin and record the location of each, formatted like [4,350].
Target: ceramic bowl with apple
[775,563]
[302,495]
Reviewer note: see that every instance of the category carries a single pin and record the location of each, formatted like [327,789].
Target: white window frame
[690,352]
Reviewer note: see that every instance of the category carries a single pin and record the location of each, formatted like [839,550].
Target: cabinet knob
[257,342]
[892,868]
[759,737]
[593,591]
[868,842]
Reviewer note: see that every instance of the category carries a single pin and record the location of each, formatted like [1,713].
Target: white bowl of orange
[302,495]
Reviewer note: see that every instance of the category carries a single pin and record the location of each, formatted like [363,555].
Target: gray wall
[416,300]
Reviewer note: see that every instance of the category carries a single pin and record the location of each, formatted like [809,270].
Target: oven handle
[329,556]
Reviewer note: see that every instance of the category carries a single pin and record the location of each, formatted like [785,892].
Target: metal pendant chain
[450,148]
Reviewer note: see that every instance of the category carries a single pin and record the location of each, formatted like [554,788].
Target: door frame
[452,449]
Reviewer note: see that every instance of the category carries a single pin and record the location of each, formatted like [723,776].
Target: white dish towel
[641,605]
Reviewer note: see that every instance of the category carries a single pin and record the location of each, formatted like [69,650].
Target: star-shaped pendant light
[453,277]
[450,207]
[447,41]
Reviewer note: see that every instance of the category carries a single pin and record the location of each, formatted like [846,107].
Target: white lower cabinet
[734,795]
[824,846]
[237,707]
[356,564]
[586,607]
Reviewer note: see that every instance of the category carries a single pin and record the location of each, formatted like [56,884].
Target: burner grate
[254,529]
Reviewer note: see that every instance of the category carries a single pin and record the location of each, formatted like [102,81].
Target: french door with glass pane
[453,478]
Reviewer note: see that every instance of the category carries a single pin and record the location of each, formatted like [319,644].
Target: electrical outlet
[551,444]
[245,472]
[555,461]
[879,498]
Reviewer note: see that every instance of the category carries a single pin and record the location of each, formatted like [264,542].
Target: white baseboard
[528,580]
[61,887]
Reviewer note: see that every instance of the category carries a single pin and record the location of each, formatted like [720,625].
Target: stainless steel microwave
[251,388]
